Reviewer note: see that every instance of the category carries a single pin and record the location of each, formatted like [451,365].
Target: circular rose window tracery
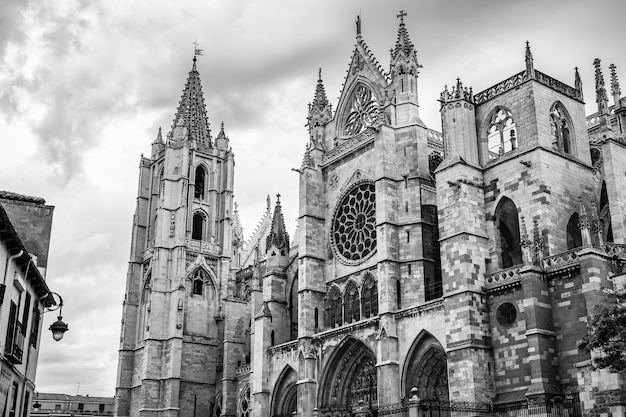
[363,111]
[353,230]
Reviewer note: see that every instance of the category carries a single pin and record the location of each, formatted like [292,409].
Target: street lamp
[59,327]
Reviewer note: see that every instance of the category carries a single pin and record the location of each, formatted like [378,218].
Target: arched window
[574,238]
[501,134]
[200,176]
[560,129]
[244,403]
[144,309]
[316,318]
[197,228]
[352,304]
[370,298]
[198,282]
[605,215]
[293,307]
[161,183]
[335,316]
[398,294]
[217,408]
[507,224]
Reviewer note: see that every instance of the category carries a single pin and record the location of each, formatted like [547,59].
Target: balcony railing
[15,348]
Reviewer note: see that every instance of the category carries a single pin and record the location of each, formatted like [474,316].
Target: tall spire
[578,84]
[403,42]
[278,236]
[615,89]
[530,66]
[191,112]
[601,97]
[320,100]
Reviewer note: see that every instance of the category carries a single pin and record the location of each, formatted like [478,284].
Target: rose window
[354,226]
[363,111]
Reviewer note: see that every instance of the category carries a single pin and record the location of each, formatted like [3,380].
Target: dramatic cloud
[84,86]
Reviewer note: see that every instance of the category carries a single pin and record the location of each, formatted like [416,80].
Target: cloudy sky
[84,86]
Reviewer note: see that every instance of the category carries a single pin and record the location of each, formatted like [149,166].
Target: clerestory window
[502,134]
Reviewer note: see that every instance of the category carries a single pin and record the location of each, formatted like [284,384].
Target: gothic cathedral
[431,273]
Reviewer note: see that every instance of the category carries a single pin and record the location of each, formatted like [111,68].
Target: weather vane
[196,51]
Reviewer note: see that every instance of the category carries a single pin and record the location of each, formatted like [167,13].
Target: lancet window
[198,226]
[244,403]
[352,304]
[370,298]
[335,313]
[198,282]
[507,224]
[501,134]
[560,129]
[200,182]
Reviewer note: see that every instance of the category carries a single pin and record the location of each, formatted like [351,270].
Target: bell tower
[179,267]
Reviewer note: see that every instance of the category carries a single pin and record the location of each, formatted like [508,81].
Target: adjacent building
[431,273]
[25,225]
[64,405]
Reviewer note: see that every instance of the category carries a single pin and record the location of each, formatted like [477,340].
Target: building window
[574,237]
[335,318]
[197,229]
[352,304]
[560,129]
[502,134]
[200,180]
[198,282]
[507,224]
[244,404]
[101,408]
[81,406]
[34,329]
[370,298]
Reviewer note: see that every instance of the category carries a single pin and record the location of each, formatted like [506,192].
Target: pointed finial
[319,76]
[530,67]
[278,198]
[269,203]
[236,206]
[358,26]
[159,138]
[401,15]
[601,97]
[615,89]
[578,84]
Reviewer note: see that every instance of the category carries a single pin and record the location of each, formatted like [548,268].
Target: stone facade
[428,268]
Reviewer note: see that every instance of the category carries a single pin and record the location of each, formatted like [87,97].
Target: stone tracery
[363,111]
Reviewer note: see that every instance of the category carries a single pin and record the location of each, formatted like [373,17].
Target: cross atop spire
[401,15]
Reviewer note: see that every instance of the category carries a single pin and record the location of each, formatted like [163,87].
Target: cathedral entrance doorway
[349,385]
[284,400]
[426,369]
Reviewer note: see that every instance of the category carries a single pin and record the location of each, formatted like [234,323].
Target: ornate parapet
[505,278]
[560,260]
[349,144]
[283,348]
[420,310]
[520,78]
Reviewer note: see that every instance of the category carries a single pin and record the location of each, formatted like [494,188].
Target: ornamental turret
[404,70]
[320,112]
[458,119]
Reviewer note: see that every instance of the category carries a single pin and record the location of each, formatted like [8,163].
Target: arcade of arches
[349,383]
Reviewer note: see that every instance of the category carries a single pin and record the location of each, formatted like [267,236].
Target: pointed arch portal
[350,380]
[426,369]
[284,402]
